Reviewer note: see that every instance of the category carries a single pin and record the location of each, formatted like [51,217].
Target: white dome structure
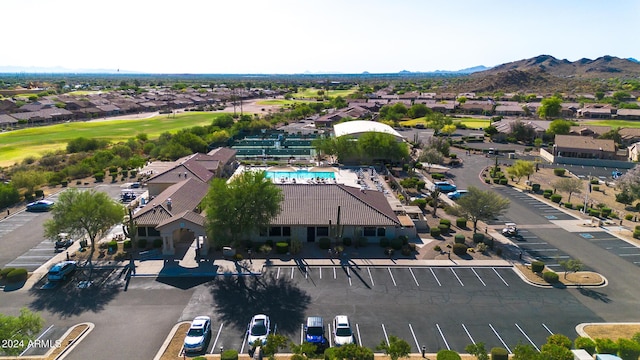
[357,127]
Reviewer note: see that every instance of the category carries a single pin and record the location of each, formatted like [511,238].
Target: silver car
[198,334]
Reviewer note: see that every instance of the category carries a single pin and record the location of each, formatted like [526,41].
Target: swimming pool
[301,174]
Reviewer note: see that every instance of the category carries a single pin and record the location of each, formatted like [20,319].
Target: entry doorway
[311,233]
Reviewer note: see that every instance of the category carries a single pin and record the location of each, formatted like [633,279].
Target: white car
[259,328]
[342,334]
[198,334]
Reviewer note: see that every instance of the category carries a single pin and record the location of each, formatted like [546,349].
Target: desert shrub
[324,243]
[550,277]
[460,249]
[347,241]
[437,176]
[229,355]
[444,228]
[282,247]
[17,275]
[487,181]
[605,212]
[112,244]
[437,248]
[595,188]
[445,222]
[447,355]
[238,257]
[481,247]
[434,231]
[4,272]
[585,343]
[39,193]
[594,212]
[496,180]
[126,244]
[396,243]
[606,346]
[404,239]
[478,237]
[559,171]
[384,242]
[461,222]
[547,194]
[498,353]
[628,349]
[99,176]
[628,217]
[265,249]
[157,243]
[503,181]
[556,198]
[330,353]
[594,181]
[537,266]
[459,239]
[535,187]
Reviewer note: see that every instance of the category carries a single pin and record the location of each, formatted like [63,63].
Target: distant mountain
[61,70]
[634,60]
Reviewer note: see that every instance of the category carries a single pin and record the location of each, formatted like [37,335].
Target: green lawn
[313,92]
[616,123]
[471,123]
[20,144]
[280,102]
[84,92]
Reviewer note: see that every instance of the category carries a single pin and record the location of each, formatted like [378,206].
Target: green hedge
[324,243]
[628,349]
[4,272]
[585,343]
[628,217]
[282,247]
[447,355]
[17,275]
[498,353]
[550,277]
[126,244]
[404,239]
[606,346]
[229,355]
[594,181]
[559,171]
[459,239]
[460,249]
[595,188]
[437,176]
[434,231]
[478,237]
[568,205]
[445,222]
[461,222]
[535,187]
[605,212]
[444,228]
[537,266]
[556,198]
[503,181]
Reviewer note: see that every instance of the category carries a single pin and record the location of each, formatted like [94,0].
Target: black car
[63,241]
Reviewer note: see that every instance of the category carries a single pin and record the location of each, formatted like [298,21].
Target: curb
[168,339]
[77,340]
[581,332]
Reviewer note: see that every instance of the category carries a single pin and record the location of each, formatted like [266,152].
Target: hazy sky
[296,36]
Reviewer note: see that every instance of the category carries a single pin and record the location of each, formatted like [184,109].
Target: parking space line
[244,340]
[469,335]
[320,268]
[334,273]
[545,326]
[301,333]
[386,338]
[499,338]
[416,280]
[349,276]
[414,337]
[538,243]
[306,272]
[628,254]
[392,279]
[329,332]
[292,270]
[215,342]
[501,278]
[435,277]
[278,274]
[478,276]
[359,338]
[528,338]
[460,281]
[370,277]
[275,328]
[443,339]
[545,249]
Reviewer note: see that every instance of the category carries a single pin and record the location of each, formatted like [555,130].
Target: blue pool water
[300,174]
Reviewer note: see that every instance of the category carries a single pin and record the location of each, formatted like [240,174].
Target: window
[275,231]
[369,231]
[142,231]
[152,232]
[322,231]
[286,231]
[382,231]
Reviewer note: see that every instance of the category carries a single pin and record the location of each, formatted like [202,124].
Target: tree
[629,184]
[477,350]
[571,265]
[560,127]
[525,352]
[437,121]
[28,179]
[431,156]
[435,199]
[521,131]
[550,107]
[440,144]
[448,129]
[354,352]
[481,205]
[19,330]
[275,343]
[83,213]
[241,207]
[521,168]
[9,195]
[569,185]
[396,348]
[537,143]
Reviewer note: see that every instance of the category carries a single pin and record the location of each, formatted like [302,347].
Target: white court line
[370,277]
[499,338]
[443,339]
[528,338]
[545,326]
[460,281]
[414,337]
[392,279]
[386,338]
[215,342]
[478,276]
[359,338]
[469,335]
[435,277]
[416,280]
[494,270]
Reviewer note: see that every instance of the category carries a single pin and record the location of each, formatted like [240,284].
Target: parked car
[342,334]
[63,241]
[455,195]
[314,332]
[198,334]
[61,270]
[510,229]
[40,205]
[445,187]
[259,328]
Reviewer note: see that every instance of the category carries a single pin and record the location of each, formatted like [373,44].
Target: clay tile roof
[316,204]
[193,168]
[584,142]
